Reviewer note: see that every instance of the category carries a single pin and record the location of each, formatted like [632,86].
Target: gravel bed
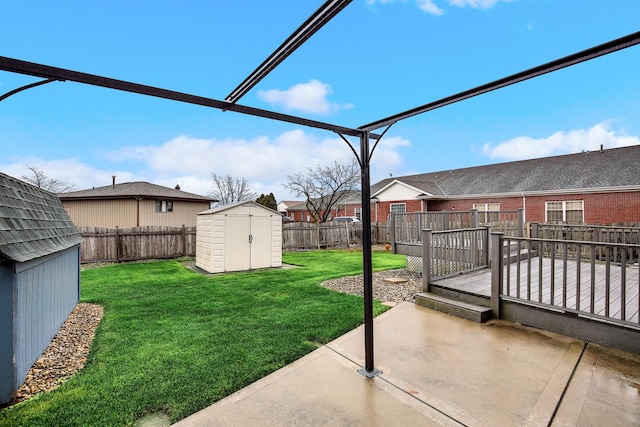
[65,355]
[382,290]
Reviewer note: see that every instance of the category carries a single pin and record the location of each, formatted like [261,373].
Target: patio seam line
[566,387]
[397,387]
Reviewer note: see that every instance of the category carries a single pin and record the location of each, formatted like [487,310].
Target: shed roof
[33,222]
[127,190]
[611,169]
[236,204]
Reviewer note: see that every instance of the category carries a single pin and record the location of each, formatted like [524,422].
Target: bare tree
[324,186]
[227,189]
[40,179]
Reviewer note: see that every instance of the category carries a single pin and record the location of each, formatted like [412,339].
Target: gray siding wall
[6,332]
[46,291]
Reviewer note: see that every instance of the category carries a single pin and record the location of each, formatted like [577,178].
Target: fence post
[184,241]
[392,232]
[497,269]
[427,239]
[521,222]
[117,244]
[475,218]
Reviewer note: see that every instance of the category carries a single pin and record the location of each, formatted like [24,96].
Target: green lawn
[175,341]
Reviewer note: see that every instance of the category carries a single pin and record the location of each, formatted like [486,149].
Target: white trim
[631,188]
[396,181]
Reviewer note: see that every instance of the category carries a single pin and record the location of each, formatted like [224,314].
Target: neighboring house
[39,276]
[134,204]
[348,205]
[595,187]
[283,207]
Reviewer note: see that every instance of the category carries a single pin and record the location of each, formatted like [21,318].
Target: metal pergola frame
[330,8]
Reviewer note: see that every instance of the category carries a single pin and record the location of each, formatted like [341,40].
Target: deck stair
[462,304]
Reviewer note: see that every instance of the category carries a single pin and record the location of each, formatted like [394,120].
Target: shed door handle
[250,238]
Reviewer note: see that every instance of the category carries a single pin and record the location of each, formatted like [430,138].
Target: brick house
[348,205]
[595,187]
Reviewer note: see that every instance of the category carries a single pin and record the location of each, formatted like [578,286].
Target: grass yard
[175,341]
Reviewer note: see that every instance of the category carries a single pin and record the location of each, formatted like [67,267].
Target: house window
[357,212]
[398,208]
[488,212]
[571,212]
[164,206]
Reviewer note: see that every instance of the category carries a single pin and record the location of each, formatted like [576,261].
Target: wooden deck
[532,280]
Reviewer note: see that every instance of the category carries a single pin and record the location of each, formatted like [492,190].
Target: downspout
[138,211]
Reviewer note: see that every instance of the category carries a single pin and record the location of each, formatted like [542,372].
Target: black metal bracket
[29,86]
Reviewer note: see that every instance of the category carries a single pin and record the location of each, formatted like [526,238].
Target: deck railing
[581,278]
[447,253]
[407,227]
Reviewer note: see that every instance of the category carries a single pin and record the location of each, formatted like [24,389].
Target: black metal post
[367,270]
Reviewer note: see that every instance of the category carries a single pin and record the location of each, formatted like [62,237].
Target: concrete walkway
[442,370]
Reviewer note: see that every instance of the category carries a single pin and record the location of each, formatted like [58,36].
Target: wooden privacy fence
[137,243]
[305,235]
[590,233]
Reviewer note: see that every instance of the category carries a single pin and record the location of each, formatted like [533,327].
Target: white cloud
[430,6]
[188,161]
[308,97]
[561,142]
[72,171]
[264,162]
[475,4]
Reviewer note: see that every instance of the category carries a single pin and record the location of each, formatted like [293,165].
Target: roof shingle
[606,169]
[133,189]
[33,222]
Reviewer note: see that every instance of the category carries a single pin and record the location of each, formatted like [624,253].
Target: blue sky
[375,59]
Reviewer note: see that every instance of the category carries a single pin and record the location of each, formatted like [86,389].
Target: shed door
[261,245]
[248,242]
[237,248]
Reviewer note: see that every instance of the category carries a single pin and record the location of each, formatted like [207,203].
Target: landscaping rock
[403,286]
[65,355]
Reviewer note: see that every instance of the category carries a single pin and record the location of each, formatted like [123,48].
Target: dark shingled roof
[33,222]
[616,168]
[129,190]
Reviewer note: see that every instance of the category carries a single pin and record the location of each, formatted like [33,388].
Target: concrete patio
[442,370]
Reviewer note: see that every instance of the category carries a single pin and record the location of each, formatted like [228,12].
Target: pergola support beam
[567,61]
[54,73]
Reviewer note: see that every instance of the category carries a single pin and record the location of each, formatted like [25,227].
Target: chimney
[113,181]
[177,187]
[601,148]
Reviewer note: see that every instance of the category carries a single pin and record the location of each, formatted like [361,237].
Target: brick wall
[599,208]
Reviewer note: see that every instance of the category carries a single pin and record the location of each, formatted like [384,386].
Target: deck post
[487,245]
[497,268]
[392,231]
[521,222]
[427,239]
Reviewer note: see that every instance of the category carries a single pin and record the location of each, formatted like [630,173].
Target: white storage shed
[238,237]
